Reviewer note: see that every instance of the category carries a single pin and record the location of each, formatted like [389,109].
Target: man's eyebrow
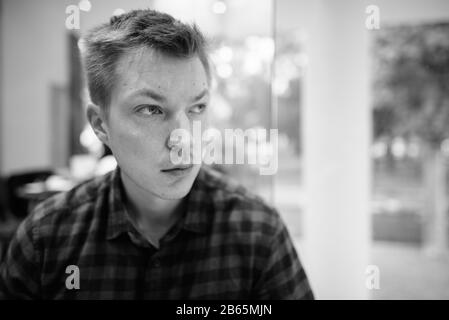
[158,97]
[149,93]
[201,95]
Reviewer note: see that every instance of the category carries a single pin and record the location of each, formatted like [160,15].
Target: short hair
[104,45]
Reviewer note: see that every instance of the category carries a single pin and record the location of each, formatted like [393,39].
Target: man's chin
[174,193]
[174,190]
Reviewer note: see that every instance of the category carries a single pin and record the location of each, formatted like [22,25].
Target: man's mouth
[178,168]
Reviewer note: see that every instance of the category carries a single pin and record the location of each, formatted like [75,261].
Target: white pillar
[436,233]
[337,133]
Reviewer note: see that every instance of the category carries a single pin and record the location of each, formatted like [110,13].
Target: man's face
[154,95]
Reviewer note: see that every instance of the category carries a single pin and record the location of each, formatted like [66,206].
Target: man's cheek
[127,141]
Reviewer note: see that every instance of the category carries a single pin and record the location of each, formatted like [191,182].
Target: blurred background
[359,91]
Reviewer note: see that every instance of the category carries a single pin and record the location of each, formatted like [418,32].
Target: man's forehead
[145,67]
[147,60]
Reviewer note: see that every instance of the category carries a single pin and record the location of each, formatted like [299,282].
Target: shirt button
[156,263]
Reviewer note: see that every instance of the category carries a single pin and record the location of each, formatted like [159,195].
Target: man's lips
[178,168]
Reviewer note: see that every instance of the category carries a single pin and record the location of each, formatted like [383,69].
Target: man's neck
[148,211]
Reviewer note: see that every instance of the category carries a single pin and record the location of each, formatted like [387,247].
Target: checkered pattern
[228,245]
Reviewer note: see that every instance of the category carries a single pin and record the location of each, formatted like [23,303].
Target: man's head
[148,74]
[108,42]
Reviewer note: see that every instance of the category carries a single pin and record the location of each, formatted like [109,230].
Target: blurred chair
[3,205]
[8,224]
[18,202]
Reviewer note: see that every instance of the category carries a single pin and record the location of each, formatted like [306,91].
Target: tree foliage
[411,82]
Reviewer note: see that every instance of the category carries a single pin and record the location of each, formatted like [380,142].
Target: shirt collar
[200,205]
[197,217]
[118,222]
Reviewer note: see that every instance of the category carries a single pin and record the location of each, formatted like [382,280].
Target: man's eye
[148,109]
[199,108]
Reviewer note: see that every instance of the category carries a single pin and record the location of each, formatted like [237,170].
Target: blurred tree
[411,99]
[291,61]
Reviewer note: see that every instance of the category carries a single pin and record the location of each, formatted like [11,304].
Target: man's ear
[97,120]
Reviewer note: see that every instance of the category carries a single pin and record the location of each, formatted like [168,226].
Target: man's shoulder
[236,203]
[68,204]
[223,187]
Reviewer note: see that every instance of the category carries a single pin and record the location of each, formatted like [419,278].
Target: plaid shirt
[228,245]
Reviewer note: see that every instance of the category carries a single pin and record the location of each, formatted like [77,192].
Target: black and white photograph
[224,150]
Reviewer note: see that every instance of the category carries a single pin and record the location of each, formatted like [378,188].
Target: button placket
[156,262]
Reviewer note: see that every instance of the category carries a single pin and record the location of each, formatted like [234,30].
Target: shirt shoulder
[61,212]
[238,206]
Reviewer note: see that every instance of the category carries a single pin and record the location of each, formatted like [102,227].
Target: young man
[151,229]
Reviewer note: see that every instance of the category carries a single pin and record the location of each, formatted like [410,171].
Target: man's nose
[179,133]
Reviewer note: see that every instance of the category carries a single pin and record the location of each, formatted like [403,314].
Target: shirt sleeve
[19,272]
[283,276]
